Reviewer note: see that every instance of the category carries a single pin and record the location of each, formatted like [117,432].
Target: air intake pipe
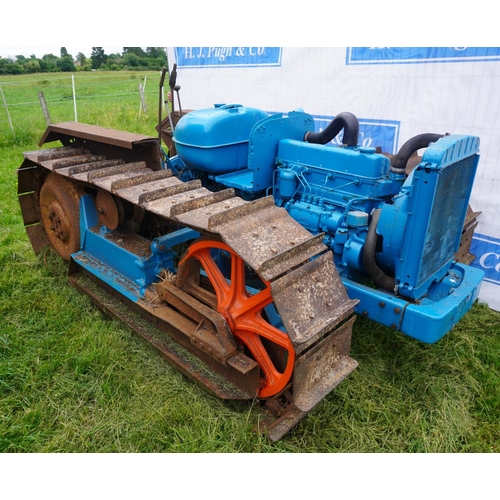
[346,121]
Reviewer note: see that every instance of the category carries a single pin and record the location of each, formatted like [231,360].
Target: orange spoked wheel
[220,281]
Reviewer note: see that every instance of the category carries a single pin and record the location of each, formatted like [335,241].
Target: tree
[131,59]
[48,63]
[98,57]
[153,52]
[66,63]
[32,66]
[81,59]
[64,52]
[134,50]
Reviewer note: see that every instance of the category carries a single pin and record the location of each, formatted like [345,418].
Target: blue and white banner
[406,55]
[213,57]
[372,133]
[487,252]
[396,93]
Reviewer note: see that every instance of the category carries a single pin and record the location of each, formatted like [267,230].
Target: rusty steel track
[306,289]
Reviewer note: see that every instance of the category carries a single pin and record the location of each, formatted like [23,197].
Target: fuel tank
[215,140]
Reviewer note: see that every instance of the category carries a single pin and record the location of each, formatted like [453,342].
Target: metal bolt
[381,304]
[397,310]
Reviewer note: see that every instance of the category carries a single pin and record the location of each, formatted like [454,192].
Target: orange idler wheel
[270,347]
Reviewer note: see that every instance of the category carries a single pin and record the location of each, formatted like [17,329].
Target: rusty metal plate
[95,133]
[96,165]
[135,181]
[52,153]
[163,206]
[26,178]
[311,299]
[38,237]
[276,429]
[260,232]
[29,210]
[135,193]
[198,211]
[106,181]
[323,367]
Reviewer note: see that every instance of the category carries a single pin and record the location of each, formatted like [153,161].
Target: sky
[217,23]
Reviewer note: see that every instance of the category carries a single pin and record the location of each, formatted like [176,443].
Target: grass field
[72,380]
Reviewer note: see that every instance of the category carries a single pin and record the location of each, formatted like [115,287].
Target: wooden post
[8,114]
[45,110]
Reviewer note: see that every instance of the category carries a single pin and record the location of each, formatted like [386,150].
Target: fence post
[74,95]
[8,114]
[45,110]
[143,100]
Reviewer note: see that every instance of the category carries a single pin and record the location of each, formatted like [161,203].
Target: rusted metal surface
[136,180]
[110,210]
[323,367]
[463,254]
[317,373]
[266,237]
[26,179]
[29,208]
[166,132]
[102,141]
[119,138]
[211,375]
[311,300]
[213,334]
[37,237]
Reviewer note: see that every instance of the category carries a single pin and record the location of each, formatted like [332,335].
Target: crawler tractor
[244,254]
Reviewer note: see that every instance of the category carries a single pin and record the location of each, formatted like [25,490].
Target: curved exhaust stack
[346,121]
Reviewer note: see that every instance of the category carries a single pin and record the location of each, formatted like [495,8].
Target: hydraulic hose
[346,121]
[377,275]
[398,164]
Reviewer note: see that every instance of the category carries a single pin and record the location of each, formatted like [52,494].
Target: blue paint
[214,57]
[124,260]
[408,55]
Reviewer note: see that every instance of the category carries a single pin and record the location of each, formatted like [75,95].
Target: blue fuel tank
[215,140]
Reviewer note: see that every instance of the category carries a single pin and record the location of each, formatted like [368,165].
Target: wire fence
[27,104]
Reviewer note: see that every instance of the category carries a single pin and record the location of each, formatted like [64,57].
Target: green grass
[72,380]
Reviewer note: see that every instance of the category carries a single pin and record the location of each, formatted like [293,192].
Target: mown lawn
[72,380]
